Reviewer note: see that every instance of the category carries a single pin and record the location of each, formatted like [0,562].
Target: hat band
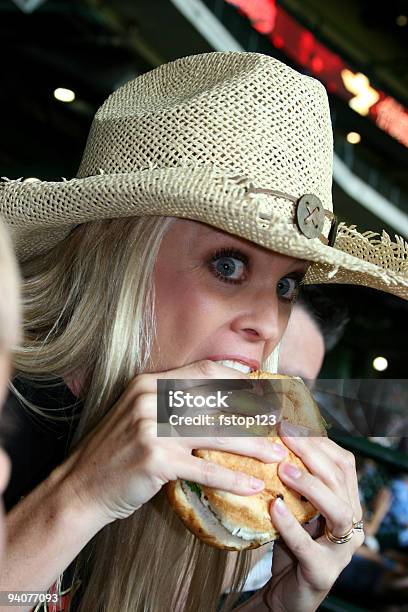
[309,213]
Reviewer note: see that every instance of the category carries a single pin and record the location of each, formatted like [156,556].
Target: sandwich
[237,522]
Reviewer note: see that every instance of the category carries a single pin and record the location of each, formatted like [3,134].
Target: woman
[202,201]
[9,336]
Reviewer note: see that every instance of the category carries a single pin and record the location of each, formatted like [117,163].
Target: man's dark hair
[329,312]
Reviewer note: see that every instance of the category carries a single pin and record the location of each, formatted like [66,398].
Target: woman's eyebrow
[220,233]
[195,239]
[216,232]
[302,262]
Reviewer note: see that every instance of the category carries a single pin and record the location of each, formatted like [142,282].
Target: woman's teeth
[236,365]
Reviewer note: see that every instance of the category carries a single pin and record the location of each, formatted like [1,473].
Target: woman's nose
[264,320]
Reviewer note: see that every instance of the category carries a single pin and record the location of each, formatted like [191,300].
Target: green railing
[384,455]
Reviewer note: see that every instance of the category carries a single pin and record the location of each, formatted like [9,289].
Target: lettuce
[194,487]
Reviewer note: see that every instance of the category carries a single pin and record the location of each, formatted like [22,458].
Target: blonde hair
[89,307]
[9,293]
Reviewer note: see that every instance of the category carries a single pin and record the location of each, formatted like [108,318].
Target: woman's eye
[288,288]
[229,266]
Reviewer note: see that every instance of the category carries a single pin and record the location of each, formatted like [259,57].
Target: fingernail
[281,507]
[254,483]
[293,430]
[278,451]
[291,470]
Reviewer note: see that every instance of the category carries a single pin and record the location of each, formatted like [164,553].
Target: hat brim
[41,214]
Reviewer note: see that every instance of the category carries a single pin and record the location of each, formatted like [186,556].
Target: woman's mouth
[236,365]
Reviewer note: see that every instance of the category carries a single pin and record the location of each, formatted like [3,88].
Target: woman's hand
[304,569]
[122,464]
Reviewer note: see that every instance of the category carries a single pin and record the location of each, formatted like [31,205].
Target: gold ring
[338,539]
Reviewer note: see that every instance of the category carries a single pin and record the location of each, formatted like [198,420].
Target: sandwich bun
[237,522]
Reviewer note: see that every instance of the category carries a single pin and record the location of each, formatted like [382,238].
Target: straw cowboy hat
[238,141]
